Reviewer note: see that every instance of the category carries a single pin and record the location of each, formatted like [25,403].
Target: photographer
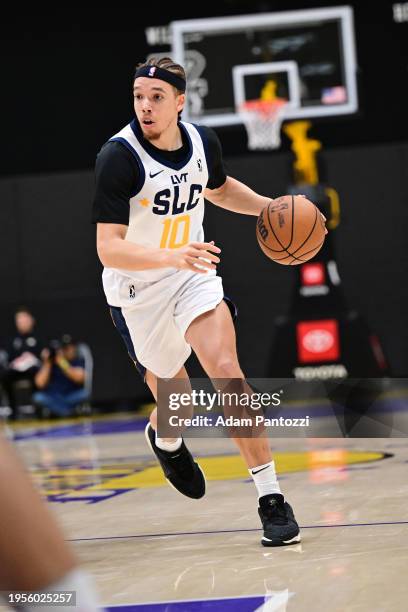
[61,378]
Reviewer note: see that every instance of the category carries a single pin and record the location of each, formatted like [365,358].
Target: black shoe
[279,524]
[179,467]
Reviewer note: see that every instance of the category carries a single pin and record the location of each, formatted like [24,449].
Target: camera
[53,347]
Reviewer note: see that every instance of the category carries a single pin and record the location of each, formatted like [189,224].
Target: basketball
[290,230]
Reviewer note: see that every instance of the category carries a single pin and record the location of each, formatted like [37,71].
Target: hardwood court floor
[147,545]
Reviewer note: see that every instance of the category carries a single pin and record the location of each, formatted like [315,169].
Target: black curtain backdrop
[49,260]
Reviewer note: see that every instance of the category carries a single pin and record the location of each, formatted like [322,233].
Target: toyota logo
[318,341]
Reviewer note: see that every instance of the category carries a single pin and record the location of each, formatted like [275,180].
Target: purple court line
[187,533]
[239,602]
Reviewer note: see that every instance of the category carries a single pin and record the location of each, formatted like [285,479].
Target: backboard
[308,56]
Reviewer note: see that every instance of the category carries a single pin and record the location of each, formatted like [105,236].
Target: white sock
[170,447]
[265,479]
[84,591]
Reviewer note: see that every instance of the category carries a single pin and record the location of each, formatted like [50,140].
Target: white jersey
[167,209]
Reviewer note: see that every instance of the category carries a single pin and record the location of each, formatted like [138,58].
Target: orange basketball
[290,230]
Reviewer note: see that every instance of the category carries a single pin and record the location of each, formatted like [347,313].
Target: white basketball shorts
[153,318]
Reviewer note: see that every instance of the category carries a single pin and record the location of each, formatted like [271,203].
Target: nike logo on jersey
[155,174]
[261,470]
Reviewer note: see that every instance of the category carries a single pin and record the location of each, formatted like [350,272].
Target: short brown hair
[167,64]
[24,309]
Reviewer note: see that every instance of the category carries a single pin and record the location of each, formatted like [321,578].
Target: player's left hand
[324,223]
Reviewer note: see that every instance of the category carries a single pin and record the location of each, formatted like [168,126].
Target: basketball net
[263,119]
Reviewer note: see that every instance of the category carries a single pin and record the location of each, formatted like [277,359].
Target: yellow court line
[232,467]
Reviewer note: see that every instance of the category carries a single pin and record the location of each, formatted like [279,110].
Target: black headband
[155,72]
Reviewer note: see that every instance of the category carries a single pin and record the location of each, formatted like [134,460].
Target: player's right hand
[195,254]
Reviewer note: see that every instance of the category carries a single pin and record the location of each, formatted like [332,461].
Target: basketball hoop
[263,120]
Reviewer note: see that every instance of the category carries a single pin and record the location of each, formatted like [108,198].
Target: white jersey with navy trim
[167,208]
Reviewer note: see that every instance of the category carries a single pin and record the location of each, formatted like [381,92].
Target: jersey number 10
[172,228]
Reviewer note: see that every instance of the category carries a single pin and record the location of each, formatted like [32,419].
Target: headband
[164,75]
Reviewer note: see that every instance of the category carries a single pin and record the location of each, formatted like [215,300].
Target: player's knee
[227,367]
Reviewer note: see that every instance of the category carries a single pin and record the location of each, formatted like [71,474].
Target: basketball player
[160,275]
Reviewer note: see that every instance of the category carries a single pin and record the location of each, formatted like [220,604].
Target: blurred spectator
[61,378]
[23,357]
[34,555]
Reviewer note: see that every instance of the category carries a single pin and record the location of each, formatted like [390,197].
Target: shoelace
[276,512]
[181,463]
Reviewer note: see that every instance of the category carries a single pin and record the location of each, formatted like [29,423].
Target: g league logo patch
[132,293]
[152,71]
